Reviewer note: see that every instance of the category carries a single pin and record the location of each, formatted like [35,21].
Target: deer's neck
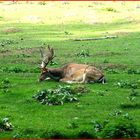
[56,73]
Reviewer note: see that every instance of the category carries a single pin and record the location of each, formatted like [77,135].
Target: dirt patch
[106,53]
[24,54]
[113,66]
[121,33]
[11,30]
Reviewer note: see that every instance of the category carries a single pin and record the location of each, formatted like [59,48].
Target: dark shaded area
[130,106]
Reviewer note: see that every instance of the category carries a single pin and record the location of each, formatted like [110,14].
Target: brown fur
[72,73]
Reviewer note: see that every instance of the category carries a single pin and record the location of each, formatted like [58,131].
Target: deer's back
[72,68]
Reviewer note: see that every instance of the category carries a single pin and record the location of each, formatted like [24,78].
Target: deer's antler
[47,56]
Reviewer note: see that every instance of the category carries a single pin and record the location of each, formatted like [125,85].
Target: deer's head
[47,56]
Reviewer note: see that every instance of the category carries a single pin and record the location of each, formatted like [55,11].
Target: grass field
[24,27]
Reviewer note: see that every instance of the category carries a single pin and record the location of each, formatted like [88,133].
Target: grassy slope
[29,117]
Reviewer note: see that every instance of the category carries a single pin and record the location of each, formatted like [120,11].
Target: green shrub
[16,69]
[133,71]
[134,93]
[42,3]
[86,134]
[83,53]
[52,63]
[67,33]
[5,125]
[55,134]
[98,126]
[73,125]
[127,84]
[7,42]
[23,55]
[110,9]
[5,81]
[13,69]
[5,85]
[112,71]
[116,125]
[131,100]
[101,93]
[120,128]
[58,96]
[106,61]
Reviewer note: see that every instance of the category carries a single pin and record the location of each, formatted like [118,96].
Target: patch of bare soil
[24,52]
[113,66]
[121,33]
[11,30]
[106,53]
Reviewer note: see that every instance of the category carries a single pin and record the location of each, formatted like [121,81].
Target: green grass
[29,117]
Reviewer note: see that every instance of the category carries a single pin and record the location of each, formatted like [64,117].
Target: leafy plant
[98,126]
[127,116]
[117,125]
[101,93]
[133,93]
[110,9]
[5,125]
[52,63]
[132,97]
[53,134]
[5,81]
[86,134]
[112,71]
[83,53]
[16,69]
[73,125]
[67,33]
[42,3]
[23,55]
[133,71]
[115,113]
[7,42]
[127,84]
[106,61]
[119,113]
[5,85]
[13,69]
[120,128]
[57,96]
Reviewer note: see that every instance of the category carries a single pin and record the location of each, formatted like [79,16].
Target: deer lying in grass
[69,73]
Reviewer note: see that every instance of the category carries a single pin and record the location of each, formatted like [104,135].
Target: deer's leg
[84,78]
[67,80]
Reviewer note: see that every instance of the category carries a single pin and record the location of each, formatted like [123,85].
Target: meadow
[110,110]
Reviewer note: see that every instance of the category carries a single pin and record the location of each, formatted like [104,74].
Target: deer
[69,73]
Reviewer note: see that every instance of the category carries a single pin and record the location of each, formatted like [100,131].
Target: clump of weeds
[132,100]
[6,42]
[59,96]
[5,85]
[83,53]
[110,9]
[6,125]
[128,84]
[116,125]
[133,71]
